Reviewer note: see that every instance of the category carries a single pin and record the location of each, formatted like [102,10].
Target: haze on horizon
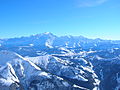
[89,18]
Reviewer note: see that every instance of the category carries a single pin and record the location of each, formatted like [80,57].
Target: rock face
[45,61]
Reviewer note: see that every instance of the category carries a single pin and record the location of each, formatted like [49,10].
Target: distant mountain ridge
[48,42]
[53,40]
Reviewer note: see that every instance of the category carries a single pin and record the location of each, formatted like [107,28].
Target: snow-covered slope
[43,73]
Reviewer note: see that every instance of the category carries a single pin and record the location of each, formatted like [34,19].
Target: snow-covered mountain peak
[48,33]
[44,34]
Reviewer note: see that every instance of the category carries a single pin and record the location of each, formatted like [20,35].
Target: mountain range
[48,62]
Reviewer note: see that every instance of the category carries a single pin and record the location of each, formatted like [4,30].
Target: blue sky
[89,18]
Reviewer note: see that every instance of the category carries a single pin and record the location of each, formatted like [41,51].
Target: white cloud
[90,3]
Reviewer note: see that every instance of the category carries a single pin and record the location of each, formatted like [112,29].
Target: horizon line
[60,36]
